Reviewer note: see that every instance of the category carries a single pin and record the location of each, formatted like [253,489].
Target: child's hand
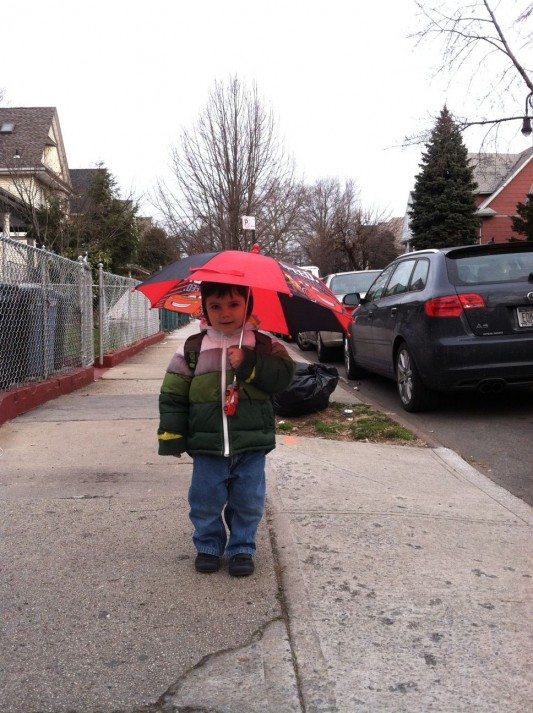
[235,356]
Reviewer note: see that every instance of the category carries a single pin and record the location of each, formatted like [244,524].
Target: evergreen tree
[443,210]
[156,249]
[523,222]
[107,229]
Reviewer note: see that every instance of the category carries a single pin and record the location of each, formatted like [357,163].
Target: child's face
[226,313]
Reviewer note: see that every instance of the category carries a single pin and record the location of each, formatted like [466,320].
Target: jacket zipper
[223,386]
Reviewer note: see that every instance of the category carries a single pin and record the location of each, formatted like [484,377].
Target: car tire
[414,395]
[353,370]
[303,343]
[323,353]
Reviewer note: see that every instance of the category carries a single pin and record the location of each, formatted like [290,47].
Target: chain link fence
[46,319]
[124,316]
[46,314]
[170,321]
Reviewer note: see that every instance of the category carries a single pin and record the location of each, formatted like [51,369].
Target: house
[395,226]
[33,165]
[503,180]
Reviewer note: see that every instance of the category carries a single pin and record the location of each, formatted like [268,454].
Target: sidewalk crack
[283,604]
[164,703]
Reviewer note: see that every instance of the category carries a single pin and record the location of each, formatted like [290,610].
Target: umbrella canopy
[287,299]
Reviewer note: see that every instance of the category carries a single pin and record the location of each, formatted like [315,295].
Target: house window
[7,127]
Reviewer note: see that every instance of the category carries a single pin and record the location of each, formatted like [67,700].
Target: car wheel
[304,344]
[353,370]
[414,395]
[323,353]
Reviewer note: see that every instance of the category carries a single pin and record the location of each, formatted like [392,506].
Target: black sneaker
[241,565]
[206,563]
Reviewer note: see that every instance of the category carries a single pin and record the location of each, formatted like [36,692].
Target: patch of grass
[284,426]
[380,428]
[348,422]
[322,427]
[358,409]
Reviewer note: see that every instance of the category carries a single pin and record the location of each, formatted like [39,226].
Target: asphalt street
[492,433]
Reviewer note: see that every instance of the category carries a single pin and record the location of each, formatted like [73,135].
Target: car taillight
[452,305]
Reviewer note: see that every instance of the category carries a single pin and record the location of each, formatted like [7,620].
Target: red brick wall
[499,226]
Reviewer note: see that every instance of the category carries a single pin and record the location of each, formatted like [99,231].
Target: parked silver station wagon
[340,283]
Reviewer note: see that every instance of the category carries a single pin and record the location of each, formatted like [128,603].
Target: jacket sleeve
[271,373]
[174,407]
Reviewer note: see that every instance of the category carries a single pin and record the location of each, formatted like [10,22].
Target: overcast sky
[343,78]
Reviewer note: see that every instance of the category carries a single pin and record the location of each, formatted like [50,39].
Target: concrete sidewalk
[388,578]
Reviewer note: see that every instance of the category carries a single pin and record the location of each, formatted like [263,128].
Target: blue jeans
[237,482]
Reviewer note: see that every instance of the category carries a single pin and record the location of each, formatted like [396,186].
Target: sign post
[248,223]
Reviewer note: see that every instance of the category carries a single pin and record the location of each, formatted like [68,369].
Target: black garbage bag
[309,390]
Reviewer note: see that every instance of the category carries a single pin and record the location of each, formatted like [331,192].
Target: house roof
[29,135]
[523,158]
[492,170]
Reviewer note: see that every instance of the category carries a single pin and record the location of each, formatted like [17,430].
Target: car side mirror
[352,299]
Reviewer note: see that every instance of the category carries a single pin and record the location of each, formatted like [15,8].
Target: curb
[468,473]
[17,401]
[110,360]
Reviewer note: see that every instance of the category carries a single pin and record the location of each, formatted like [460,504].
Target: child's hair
[221,289]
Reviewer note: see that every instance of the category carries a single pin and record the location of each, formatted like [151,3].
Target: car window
[377,288]
[352,282]
[420,275]
[400,278]
[496,267]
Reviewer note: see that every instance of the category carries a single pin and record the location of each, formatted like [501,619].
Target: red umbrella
[287,299]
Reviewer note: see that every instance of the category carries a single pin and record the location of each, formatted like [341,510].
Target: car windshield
[497,267]
[352,282]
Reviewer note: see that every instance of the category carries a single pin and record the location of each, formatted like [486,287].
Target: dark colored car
[452,319]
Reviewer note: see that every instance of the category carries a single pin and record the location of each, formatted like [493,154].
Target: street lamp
[526,122]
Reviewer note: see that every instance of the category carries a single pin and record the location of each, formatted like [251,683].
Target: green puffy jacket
[192,395]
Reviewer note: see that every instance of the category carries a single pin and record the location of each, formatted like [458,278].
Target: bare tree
[230,164]
[476,41]
[42,208]
[317,221]
[338,234]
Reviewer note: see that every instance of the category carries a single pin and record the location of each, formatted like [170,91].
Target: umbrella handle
[234,385]
[244,320]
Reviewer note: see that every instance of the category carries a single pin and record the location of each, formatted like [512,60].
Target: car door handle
[394,310]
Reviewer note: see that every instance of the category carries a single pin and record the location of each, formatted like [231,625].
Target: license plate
[525,316]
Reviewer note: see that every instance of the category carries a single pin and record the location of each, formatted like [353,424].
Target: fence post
[129,315]
[81,298]
[146,317]
[101,312]
[44,287]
